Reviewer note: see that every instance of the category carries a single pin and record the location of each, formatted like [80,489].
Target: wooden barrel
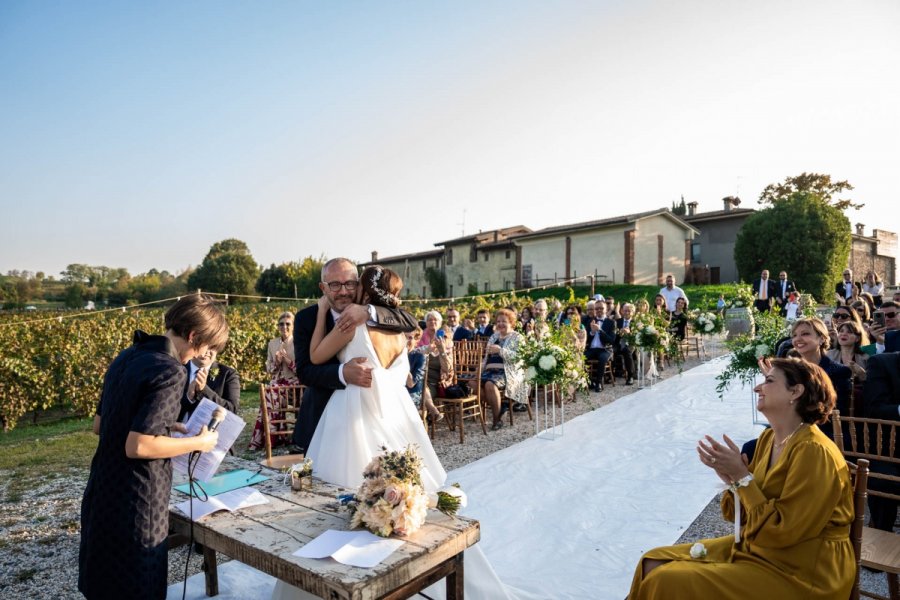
[738,321]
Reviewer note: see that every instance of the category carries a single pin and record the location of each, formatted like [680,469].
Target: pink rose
[393,495]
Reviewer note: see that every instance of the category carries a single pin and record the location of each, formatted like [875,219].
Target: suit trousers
[601,355]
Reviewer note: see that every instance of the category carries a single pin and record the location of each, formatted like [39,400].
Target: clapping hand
[725,459]
[200,380]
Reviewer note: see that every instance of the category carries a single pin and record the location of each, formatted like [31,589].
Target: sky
[137,134]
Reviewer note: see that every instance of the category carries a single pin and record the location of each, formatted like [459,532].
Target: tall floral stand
[756,419]
[546,425]
[646,379]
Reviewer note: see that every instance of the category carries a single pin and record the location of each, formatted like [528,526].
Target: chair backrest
[477,346]
[872,440]
[280,407]
[860,474]
[467,357]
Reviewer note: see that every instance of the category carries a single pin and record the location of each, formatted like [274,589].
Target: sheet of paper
[354,548]
[229,430]
[231,501]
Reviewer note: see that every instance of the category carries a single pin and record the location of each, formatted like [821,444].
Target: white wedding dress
[356,424]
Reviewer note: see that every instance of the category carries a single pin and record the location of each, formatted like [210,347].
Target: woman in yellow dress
[796,506]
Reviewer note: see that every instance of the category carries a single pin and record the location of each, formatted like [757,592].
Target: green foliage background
[803,235]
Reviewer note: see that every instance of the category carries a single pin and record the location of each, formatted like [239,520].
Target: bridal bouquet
[747,349]
[707,323]
[391,499]
[553,359]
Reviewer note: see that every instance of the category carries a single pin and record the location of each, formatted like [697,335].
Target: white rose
[650,330]
[698,550]
[530,373]
[708,327]
[547,362]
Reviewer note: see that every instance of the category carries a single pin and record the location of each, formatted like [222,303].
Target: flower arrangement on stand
[391,499]
[553,359]
[747,349]
[707,322]
[743,297]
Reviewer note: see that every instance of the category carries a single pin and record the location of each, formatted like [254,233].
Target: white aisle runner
[569,518]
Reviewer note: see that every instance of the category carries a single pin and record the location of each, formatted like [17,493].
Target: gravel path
[39,529]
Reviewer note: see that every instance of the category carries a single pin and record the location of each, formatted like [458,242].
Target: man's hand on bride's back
[352,317]
[358,372]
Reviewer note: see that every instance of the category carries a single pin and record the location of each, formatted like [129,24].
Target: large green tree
[228,268]
[801,233]
[817,184]
[292,279]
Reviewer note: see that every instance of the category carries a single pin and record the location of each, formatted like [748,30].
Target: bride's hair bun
[382,286]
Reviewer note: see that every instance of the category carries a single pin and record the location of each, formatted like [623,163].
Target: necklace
[785,440]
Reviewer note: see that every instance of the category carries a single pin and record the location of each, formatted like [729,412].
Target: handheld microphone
[217,417]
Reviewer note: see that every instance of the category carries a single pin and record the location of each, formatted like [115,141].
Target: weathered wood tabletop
[266,536]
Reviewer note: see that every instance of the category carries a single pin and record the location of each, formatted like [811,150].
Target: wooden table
[265,537]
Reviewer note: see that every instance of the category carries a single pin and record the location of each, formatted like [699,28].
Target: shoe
[629,381]
[519,407]
[435,418]
[497,425]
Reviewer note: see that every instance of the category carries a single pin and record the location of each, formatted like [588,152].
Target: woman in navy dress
[125,510]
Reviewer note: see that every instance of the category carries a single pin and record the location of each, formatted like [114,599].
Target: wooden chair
[467,368]
[874,440]
[860,474]
[286,403]
[692,343]
[609,375]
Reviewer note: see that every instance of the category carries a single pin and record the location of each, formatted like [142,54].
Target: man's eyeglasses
[335,286]
[890,315]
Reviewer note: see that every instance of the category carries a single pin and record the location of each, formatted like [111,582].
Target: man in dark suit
[621,348]
[763,291]
[844,289]
[881,400]
[887,336]
[208,378]
[339,284]
[483,327]
[601,337]
[783,289]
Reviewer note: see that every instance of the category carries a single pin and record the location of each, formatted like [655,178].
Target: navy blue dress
[125,510]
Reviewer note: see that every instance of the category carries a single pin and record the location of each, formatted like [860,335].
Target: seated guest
[209,379]
[574,321]
[433,328]
[623,328]
[525,317]
[588,315]
[642,307]
[415,381]
[483,327]
[451,325]
[500,375]
[678,322]
[874,287]
[887,336]
[659,306]
[846,290]
[881,400]
[796,507]
[612,309]
[440,355]
[282,369]
[601,337]
[539,325]
[464,332]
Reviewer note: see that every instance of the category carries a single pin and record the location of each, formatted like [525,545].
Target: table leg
[455,579]
[211,569]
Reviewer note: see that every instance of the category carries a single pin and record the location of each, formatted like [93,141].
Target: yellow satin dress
[795,534]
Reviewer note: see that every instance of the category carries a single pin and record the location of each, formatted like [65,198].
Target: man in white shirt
[672,293]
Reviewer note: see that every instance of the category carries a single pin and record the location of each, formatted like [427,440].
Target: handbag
[457,390]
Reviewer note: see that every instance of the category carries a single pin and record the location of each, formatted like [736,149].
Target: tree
[437,281]
[228,268]
[292,279]
[816,184]
[801,234]
[679,209]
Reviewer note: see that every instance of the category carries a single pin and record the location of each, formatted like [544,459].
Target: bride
[358,422]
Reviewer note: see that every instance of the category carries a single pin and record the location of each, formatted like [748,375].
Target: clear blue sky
[136,134]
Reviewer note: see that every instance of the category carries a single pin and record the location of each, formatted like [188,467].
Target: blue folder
[225,482]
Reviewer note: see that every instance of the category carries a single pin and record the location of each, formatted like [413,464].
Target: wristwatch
[742,482]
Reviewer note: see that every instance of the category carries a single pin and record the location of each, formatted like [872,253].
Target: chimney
[692,208]
[731,202]
[496,235]
[860,229]
[374,255]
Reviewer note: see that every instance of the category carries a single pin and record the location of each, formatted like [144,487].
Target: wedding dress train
[356,424]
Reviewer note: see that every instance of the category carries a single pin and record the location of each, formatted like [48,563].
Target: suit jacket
[462,334]
[881,395]
[224,389]
[770,288]
[607,334]
[782,296]
[488,332]
[322,380]
[620,324]
[840,291]
[892,340]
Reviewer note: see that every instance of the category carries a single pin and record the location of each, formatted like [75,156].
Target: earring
[792,402]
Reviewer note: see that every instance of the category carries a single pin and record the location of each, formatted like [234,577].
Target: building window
[486,254]
[473,254]
[508,252]
[451,291]
[406,271]
[526,276]
[424,292]
[486,287]
[450,256]
[695,253]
